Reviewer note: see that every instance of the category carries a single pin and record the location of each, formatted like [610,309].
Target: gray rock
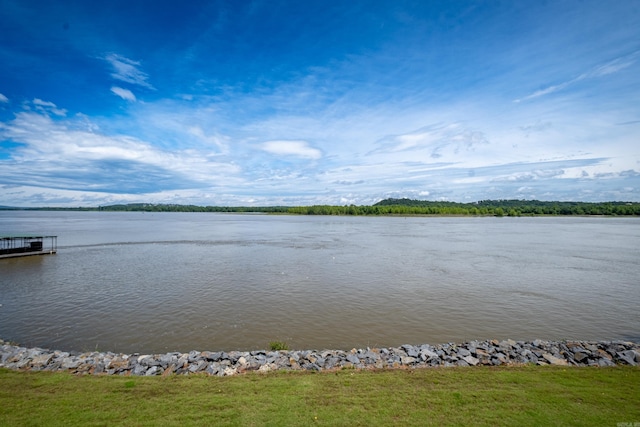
[154,370]
[352,358]
[199,367]
[411,350]
[581,356]
[331,362]
[213,369]
[501,357]
[471,360]
[139,370]
[506,345]
[148,361]
[604,362]
[428,355]
[553,360]
[167,359]
[407,360]
[214,357]
[371,356]
[463,352]
[70,363]
[630,357]
[467,354]
[42,359]
[17,365]
[182,361]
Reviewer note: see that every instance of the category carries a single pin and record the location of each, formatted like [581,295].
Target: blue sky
[318,102]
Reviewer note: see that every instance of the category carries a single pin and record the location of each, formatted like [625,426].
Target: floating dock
[16,246]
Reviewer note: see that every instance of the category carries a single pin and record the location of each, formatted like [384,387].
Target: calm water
[140,282]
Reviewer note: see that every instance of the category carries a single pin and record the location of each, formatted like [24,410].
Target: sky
[278,102]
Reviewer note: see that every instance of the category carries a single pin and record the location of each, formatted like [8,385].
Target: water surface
[141,282]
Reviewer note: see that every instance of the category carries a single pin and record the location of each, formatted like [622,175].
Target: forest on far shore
[396,207]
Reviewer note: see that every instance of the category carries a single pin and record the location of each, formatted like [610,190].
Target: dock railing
[14,246]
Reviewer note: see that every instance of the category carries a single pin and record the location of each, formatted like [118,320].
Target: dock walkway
[18,246]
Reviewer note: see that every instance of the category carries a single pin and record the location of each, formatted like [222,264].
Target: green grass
[278,345]
[510,396]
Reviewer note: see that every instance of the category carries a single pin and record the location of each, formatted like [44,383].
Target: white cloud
[47,106]
[71,156]
[3,98]
[124,93]
[529,176]
[127,70]
[292,148]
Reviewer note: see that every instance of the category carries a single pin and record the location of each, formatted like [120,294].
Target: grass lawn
[510,396]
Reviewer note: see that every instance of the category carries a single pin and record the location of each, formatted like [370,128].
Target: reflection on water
[131,282]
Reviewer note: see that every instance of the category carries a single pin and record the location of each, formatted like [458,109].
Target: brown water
[134,282]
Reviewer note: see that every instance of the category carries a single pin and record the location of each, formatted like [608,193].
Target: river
[159,282]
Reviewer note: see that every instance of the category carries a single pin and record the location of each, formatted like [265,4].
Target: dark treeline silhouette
[150,207]
[397,207]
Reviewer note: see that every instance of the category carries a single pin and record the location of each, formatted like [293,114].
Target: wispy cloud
[125,94]
[48,107]
[3,98]
[602,70]
[300,149]
[439,140]
[216,139]
[128,70]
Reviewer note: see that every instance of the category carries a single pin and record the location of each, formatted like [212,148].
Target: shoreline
[472,353]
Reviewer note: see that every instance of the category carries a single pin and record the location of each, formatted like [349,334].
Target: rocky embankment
[474,353]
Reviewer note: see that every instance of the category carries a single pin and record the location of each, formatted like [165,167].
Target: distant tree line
[396,207]
[150,207]
[412,207]
[481,208]
[515,207]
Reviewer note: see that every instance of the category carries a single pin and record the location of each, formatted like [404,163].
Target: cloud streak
[128,70]
[300,149]
[610,67]
[125,94]
[49,107]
